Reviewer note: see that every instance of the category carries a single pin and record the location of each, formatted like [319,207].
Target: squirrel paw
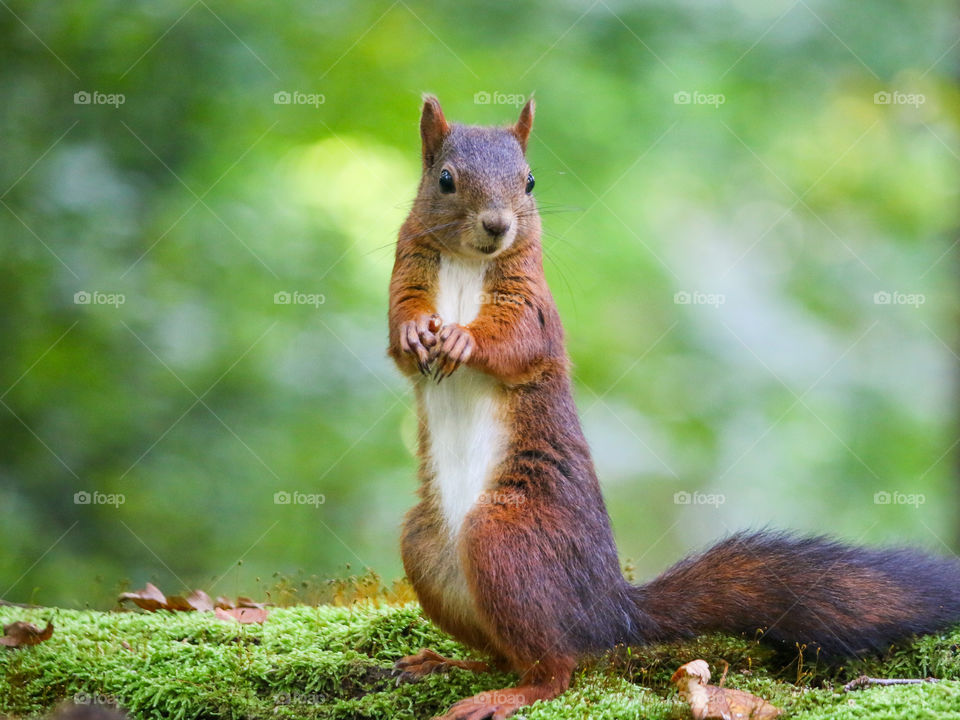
[454,347]
[494,704]
[418,336]
[415,667]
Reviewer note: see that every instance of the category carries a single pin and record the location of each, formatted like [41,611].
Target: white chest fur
[465,426]
[459,290]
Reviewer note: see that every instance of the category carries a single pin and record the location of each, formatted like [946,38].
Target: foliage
[716,266]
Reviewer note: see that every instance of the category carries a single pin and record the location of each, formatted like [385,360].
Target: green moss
[335,662]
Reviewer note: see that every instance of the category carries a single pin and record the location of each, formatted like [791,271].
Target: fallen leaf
[19,633]
[245,602]
[709,702]
[200,601]
[150,598]
[242,615]
[178,603]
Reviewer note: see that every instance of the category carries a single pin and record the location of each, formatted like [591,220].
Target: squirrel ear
[433,129]
[524,124]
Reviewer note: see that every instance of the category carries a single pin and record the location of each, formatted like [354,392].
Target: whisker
[388,246]
[433,229]
[565,279]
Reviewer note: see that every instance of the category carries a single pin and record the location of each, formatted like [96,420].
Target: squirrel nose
[496,224]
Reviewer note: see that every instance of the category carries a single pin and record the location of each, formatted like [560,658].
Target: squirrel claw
[419,338]
[403,677]
[455,345]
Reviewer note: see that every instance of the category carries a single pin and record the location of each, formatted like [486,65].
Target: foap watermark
[296,297]
[296,698]
[484,97]
[495,697]
[510,498]
[682,497]
[296,97]
[685,297]
[498,298]
[895,97]
[96,297]
[899,498]
[84,698]
[696,97]
[895,297]
[84,497]
[298,498]
[83,97]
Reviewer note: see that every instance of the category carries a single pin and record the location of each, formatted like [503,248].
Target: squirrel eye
[530,183]
[446,182]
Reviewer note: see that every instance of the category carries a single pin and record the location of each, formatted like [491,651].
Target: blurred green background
[750,229]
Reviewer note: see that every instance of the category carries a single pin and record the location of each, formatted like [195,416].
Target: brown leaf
[245,602]
[178,603]
[709,702]
[150,598]
[199,600]
[243,615]
[19,633]
[726,702]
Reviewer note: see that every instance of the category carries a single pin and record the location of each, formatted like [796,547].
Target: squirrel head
[475,193]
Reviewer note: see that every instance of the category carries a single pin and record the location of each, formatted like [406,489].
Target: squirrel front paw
[454,347]
[417,337]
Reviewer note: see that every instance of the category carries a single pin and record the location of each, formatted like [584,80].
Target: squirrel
[509,548]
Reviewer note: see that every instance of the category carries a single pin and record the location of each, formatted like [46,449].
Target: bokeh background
[751,232]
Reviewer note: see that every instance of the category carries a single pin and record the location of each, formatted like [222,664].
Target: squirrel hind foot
[545,680]
[498,704]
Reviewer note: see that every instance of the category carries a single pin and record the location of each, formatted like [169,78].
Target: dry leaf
[200,601]
[150,598]
[245,602]
[20,633]
[178,603]
[243,614]
[709,702]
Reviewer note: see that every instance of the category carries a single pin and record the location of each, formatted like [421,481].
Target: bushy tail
[813,591]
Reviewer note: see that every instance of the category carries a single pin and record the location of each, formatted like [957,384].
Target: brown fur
[508,611]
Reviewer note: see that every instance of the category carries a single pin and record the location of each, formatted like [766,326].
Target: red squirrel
[510,548]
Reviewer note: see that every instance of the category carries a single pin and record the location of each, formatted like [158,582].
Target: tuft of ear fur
[433,129]
[524,124]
